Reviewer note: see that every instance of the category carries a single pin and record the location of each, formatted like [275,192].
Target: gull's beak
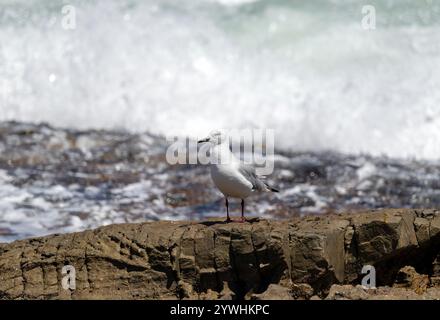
[203,140]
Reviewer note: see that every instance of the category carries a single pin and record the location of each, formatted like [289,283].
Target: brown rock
[217,260]
[349,292]
[407,277]
[421,226]
[435,278]
[301,291]
[434,227]
[383,232]
[317,251]
[274,292]
[226,293]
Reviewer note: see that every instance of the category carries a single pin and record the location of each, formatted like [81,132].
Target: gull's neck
[222,154]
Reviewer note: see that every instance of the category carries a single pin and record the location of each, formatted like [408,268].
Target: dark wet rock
[261,259]
[116,176]
[5,231]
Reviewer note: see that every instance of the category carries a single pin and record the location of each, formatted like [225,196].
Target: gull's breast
[230,181]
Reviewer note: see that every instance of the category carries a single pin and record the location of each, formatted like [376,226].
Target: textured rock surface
[296,259]
[407,277]
[349,292]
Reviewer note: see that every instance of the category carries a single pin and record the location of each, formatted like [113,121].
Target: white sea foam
[34,210]
[307,70]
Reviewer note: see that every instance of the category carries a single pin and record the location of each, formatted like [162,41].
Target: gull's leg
[242,211]
[227,210]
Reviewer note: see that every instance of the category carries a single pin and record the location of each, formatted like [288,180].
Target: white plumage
[232,177]
[227,177]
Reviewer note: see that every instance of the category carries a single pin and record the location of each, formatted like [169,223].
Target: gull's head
[215,137]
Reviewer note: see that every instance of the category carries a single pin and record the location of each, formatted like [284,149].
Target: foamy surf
[307,70]
[55,180]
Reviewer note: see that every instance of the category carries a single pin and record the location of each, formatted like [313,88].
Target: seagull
[231,176]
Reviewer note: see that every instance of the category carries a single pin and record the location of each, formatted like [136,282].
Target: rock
[185,290]
[421,226]
[407,277]
[296,259]
[383,233]
[274,292]
[434,227]
[226,293]
[209,295]
[387,240]
[435,278]
[301,291]
[317,251]
[349,292]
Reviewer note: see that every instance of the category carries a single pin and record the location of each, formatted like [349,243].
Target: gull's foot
[241,220]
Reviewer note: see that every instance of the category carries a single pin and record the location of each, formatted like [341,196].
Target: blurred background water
[340,98]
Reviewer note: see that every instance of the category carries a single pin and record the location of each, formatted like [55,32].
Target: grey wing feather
[249,173]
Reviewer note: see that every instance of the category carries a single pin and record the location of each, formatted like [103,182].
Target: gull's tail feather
[270,188]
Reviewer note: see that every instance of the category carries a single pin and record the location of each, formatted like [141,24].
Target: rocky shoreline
[319,257]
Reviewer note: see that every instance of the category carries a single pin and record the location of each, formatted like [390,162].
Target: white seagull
[232,177]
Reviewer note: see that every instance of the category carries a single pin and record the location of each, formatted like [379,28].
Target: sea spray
[307,70]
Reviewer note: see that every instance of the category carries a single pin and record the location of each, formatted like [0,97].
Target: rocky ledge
[310,258]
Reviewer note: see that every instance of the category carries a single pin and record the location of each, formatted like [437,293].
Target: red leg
[242,211]
[228,219]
